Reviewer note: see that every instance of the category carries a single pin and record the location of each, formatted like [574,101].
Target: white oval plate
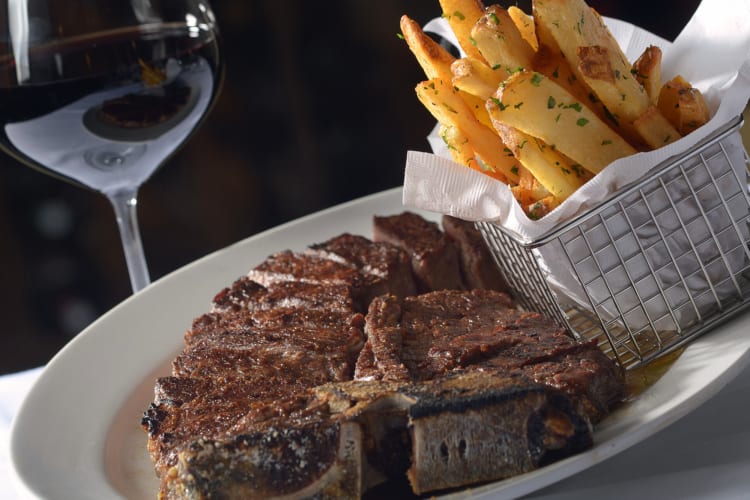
[77,434]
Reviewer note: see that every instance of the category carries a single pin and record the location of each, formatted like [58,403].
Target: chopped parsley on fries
[544,101]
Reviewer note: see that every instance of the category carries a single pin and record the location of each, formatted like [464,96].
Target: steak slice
[244,362]
[367,268]
[434,258]
[185,409]
[320,459]
[248,305]
[284,388]
[385,267]
[305,267]
[424,337]
[265,355]
[478,268]
[339,439]
[224,383]
[246,294]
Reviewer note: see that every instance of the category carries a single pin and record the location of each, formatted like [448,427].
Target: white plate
[77,434]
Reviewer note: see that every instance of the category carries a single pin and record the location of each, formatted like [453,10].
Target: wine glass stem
[125,205]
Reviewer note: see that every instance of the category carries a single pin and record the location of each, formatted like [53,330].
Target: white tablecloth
[13,388]
[705,455]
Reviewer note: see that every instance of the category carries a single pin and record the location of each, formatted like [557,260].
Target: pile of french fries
[544,102]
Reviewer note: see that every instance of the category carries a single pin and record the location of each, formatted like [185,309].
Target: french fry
[461,16]
[651,124]
[529,190]
[537,106]
[539,209]
[620,92]
[683,105]
[596,58]
[431,56]
[475,77]
[525,25]
[554,65]
[457,144]
[522,195]
[559,176]
[535,189]
[543,35]
[477,106]
[545,102]
[647,70]
[461,151]
[436,62]
[442,100]
[500,42]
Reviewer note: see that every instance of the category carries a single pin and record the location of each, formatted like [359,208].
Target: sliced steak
[289,325]
[320,459]
[478,268]
[284,388]
[269,355]
[246,294]
[434,257]
[339,439]
[385,267]
[424,337]
[185,409]
[277,318]
[224,382]
[305,267]
[247,306]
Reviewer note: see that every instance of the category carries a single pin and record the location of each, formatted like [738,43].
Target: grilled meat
[385,268]
[478,269]
[426,336]
[434,257]
[339,439]
[285,388]
[248,305]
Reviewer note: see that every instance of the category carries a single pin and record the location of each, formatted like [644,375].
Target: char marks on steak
[434,257]
[307,268]
[338,439]
[246,294]
[247,305]
[385,268]
[285,388]
[478,268]
[423,337]
[293,322]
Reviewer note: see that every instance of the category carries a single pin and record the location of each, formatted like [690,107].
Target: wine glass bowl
[102,95]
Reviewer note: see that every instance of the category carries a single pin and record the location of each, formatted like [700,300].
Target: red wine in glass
[107,105]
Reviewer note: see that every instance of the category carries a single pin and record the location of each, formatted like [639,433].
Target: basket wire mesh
[659,263]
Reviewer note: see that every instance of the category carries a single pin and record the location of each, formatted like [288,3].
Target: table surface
[704,455]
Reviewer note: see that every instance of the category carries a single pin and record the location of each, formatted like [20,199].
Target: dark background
[317,108]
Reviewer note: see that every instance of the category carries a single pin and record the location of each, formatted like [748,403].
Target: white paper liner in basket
[712,52]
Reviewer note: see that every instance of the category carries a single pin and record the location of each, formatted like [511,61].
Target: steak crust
[434,257]
[423,337]
[286,388]
[339,439]
[385,268]
[478,269]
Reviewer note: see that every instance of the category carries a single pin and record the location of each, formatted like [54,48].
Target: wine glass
[101,93]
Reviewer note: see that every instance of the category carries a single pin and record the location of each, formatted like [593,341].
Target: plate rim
[608,442]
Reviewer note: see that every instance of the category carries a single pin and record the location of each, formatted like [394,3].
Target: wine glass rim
[153,27]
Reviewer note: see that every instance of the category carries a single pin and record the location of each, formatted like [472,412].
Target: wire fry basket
[650,268]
